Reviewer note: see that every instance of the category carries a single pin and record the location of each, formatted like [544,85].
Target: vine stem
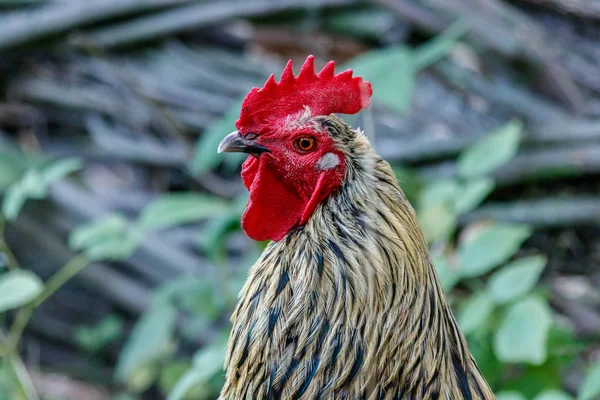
[11,260]
[62,276]
[21,373]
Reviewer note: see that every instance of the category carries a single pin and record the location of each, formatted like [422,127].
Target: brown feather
[349,306]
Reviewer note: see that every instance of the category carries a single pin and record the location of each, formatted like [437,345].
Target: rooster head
[295,161]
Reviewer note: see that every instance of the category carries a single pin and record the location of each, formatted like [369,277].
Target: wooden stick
[533,165]
[189,17]
[541,213]
[25,26]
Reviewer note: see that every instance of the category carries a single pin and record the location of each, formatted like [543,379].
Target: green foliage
[206,156]
[198,295]
[472,193]
[9,383]
[437,222]
[475,312]
[553,395]
[18,288]
[392,71]
[368,22]
[108,238]
[206,364]
[12,166]
[439,192]
[95,338]
[590,388]
[490,246]
[149,342]
[35,184]
[174,209]
[392,75]
[438,48]
[523,332]
[171,373]
[509,328]
[510,396]
[491,151]
[410,183]
[440,203]
[516,279]
[447,273]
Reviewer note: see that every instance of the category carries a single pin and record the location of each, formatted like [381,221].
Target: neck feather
[349,305]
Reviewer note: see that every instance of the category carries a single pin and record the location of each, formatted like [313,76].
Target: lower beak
[236,143]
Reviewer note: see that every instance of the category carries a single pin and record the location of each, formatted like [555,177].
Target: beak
[236,143]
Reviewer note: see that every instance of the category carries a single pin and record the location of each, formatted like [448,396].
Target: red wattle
[272,209]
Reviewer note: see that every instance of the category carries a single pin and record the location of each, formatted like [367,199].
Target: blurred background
[121,248]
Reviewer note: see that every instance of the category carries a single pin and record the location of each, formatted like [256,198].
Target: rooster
[344,303]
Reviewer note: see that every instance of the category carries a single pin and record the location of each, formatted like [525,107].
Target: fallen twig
[22,27]
[188,17]
[541,213]
[531,165]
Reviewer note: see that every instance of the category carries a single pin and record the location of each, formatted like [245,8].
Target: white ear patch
[327,161]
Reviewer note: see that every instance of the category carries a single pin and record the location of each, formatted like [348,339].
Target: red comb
[324,93]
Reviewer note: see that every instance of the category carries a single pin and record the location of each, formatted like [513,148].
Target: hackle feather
[349,306]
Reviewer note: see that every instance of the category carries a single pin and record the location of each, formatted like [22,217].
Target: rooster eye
[305,143]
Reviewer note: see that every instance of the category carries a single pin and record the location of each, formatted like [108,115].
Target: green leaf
[108,238]
[493,245]
[439,192]
[18,288]
[515,279]
[149,341]
[447,275]
[370,23]
[95,338]
[31,186]
[392,74]
[34,185]
[439,47]
[174,209]
[491,151]
[59,169]
[472,194]
[110,226]
[510,396]
[553,395]
[207,362]
[523,333]
[206,156]
[590,388]
[475,312]
[409,182]
[392,71]
[13,202]
[13,165]
[171,373]
[115,249]
[437,222]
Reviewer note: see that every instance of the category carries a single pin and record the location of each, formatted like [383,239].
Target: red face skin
[286,185]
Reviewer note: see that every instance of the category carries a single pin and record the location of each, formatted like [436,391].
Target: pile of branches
[130,86]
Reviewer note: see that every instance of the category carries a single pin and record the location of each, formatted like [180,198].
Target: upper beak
[236,143]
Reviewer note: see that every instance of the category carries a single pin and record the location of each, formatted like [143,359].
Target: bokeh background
[121,248]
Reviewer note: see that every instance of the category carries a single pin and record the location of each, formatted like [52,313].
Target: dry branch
[532,165]
[24,26]
[582,8]
[511,32]
[189,17]
[541,213]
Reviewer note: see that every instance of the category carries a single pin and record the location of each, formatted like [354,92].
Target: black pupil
[304,143]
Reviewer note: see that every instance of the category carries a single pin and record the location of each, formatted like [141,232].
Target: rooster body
[347,304]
